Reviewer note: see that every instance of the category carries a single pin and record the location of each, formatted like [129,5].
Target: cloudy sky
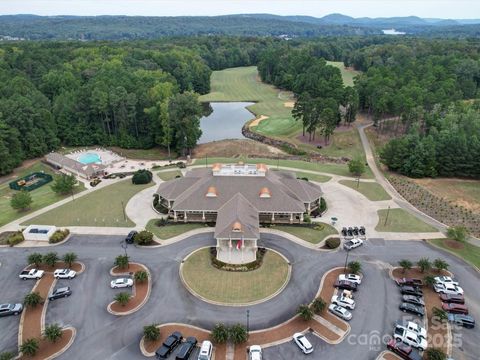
[459,9]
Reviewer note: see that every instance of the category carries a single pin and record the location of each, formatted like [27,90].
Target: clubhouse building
[238,197]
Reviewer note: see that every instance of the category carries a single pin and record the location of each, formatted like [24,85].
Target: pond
[225,121]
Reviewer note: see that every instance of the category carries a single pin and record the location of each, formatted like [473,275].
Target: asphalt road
[104,336]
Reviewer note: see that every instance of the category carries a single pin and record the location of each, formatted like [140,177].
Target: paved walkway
[139,208]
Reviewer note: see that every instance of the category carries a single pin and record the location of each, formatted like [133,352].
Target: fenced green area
[31,181]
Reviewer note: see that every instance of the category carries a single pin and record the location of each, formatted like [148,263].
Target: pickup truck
[450,289]
[352,244]
[410,338]
[31,274]
[414,327]
[409,282]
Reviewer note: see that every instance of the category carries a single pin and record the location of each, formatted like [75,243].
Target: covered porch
[237,251]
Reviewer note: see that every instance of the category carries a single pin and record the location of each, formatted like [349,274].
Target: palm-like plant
[50,258]
[305,312]
[7,355]
[440,264]
[238,334]
[439,314]
[52,332]
[219,334]
[429,280]
[151,332]
[318,305]
[121,261]
[354,267]
[33,299]
[141,276]
[122,298]
[69,258]
[405,265]
[35,259]
[29,347]
[434,354]
[424,264]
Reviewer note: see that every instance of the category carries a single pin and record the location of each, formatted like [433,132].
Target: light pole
[346,260]
[248,320]
[124,215]
[124,247]
[386,217]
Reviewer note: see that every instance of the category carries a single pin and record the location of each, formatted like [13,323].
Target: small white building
[39,232]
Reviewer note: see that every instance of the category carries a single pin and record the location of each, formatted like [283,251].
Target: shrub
[35,259]
[332,243]
[458,233]
[143,238]
[237,267]
[405,265]
[237,334]
[29,347]
[50,258]
[21,200]
[121,261]
[161,222]
[307,219]
[305,312]
[69,258]
[141,276]
[15,238]
[434,354]
[58,236]
[354,267]
[440,264]
[52,332]
[181,165]
[122,298]
[33,299]
[429,280]
[356,166]
[424,264]
[323,205]
[142,177]
[439,314]
[318,305]
[7,355]
[151,332]
[219,334]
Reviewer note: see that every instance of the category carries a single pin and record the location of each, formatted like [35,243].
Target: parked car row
[186,347]
[343,301]
[351,232]
[412,296]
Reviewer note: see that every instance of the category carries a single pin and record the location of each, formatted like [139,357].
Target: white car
[414,327]
[303,343]
[350,277]
[340,311]
[445,280]
[343,301]
[450,289]
[410,338]
[121,283]
[255,353]
[64,274]
[31,274]
[352,244]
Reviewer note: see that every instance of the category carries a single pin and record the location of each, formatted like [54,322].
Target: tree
[356,166]
[318,305]
[35,259]
[122,298]
[29,347]
[424,264]
[52,332]
[50,258]
[440,264]
[121,261]
[458,233]
[237,334]
[142,176]
[141,276]
[33,299]
[219,333]
[151,332]
[144,238]
[354,267]
[21,200]
[7,355]
[64,184]
[405,265]
[69,258]
[305,312]
[323,205]
[429,280]
[434,354]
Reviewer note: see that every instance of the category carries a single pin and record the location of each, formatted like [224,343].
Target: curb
[256,302]
[72,339]
[139,306]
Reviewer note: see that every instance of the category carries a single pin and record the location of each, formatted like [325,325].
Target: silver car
[340,311]
[10,309]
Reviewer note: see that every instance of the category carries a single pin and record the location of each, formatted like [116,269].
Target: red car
[403,350]
[345,285]
[452,298]
[455,308]
[409,282]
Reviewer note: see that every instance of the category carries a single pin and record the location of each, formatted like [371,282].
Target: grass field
[308,234]
[401,221]
[169,175]
[42,196]
[168,231]
[347,74]
[337,169]
[466,251]
[371,190]
[313,177]
[234,287]
[155,153]
[99,208]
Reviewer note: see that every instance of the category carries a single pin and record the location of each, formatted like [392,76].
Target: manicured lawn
[401,221]
[344,143]
[308,234]
[347,74]
[171,230]
[371,190]
[313,177]
[99,208]
[337,169]
[466,251]
[43,196]
[169,175]
[234,287]
[155,153]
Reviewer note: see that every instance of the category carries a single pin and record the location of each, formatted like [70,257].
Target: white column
[203,215]
[273,216]
[184,216]
[174,215]
[301,217]
[291,218]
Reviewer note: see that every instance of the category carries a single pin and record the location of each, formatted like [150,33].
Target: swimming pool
[90,158]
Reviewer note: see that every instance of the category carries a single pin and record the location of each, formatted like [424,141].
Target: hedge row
[237,267]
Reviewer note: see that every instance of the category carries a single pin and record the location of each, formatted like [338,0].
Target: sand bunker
[257,120]
[289,104]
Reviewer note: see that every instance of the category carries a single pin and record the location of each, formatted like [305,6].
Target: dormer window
[265,193]
[237,227]
[211,192]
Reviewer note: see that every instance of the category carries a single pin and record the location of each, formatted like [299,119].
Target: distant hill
[34,27]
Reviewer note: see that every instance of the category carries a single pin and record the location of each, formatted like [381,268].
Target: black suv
[131,237]
[411,290]
[169,345]
[186,348]
[60,293]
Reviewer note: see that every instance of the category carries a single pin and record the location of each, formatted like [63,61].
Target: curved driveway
[103,336]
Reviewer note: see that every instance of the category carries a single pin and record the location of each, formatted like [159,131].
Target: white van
[206,351]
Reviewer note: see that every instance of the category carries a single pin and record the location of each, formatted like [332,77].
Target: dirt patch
[139,290]
[234,149]
[326,294]
[289,104]
[257,120]
[390,356]
[47,348]
[453,244]
[220,350]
